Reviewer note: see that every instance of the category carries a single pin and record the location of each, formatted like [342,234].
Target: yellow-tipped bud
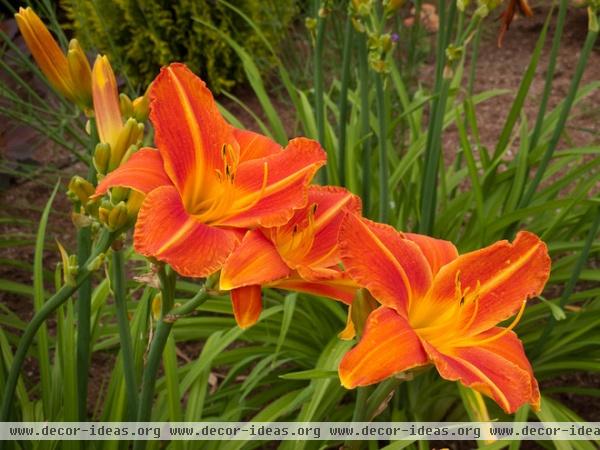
[125,105]
[104,212]
[81,74]
[102,158]
[80,189]
[96,263]
[117,217]
[130,151]
[130,134]
[118,194]
[134,203]
[51,59]
[141,107]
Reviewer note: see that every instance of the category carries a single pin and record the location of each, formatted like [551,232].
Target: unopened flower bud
[81,74]
[310,23]
[125,105]
[129,135]
[70,266]
[96,263]
[134,203]
[117,218]
[102,158]
[130,151]
[141,107]
[81,189]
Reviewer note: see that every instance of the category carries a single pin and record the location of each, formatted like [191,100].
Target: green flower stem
[84,295]
[560,23]
[433,145]
[161,335]
[318,77]
[359,415]
[49,307]
[343,106]
[588,46]
[384,202]
[118,282]
[365,128]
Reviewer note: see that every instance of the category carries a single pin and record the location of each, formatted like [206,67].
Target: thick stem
[49,307]
[318,78]
[161,335]
[118,281]
[84,296]
[359,415]
[383,162]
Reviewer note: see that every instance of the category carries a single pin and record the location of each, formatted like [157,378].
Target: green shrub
[140,36]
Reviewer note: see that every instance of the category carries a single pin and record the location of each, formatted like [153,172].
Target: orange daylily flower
[441,308]
[70,74]
[301,255]
[208,181]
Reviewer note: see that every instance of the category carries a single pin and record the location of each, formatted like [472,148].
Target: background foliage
[142,36]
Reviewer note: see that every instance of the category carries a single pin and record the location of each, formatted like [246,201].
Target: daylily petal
[254,145]
[330,283]
[287,175]
[387,346]
[497,368]
[377,257]
[247,305]
[500,276]
[189,131]
[254,262]
[332,205]
[165,231]
[143,172]
[437,251]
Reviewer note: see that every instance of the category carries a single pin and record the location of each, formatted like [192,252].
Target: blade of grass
[39,297]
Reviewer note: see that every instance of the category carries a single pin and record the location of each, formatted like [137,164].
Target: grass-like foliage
[385,134]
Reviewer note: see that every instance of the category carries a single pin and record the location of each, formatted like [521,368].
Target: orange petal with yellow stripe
[143,172]
[247,305]
[378,258]
[497,368]
[189,131]
[326,282]
[332,203]
[278,181]
[437,251]
[500,276]
[254,145]
[165,231]
[254,262]
[388,346]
